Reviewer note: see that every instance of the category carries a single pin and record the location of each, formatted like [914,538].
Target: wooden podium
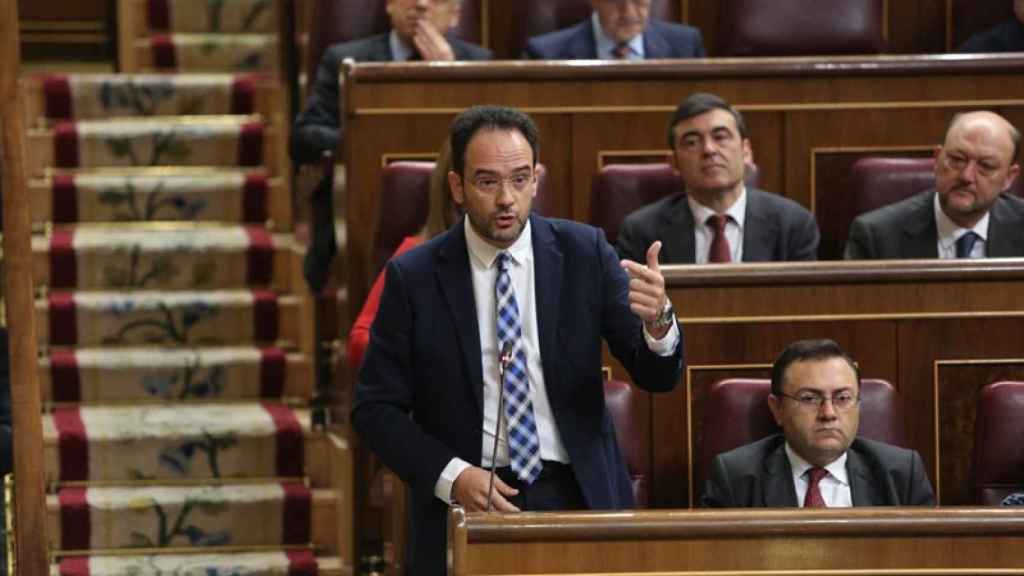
[777,542]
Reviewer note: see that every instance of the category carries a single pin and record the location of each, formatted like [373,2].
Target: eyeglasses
[493,184]
[959,162]
[814,401]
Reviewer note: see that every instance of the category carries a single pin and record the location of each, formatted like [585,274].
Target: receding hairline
[991,119]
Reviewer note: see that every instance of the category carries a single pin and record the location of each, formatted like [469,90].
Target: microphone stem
[497,431]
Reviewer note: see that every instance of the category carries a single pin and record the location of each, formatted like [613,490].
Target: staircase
[176,331]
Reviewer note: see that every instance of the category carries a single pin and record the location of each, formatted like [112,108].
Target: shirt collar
[737,211]
[400,52]
[483,253]
[949,232]
[836,468]
[605,45]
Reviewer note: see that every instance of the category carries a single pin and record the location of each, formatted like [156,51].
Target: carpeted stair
[179,433]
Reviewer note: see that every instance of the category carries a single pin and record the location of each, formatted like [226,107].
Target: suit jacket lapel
[676,232]
[863,489]
[583,45]
[455,281]
[760,233]
[655,45]
[547,278]
[779,491]
[920,234]
[1005,234]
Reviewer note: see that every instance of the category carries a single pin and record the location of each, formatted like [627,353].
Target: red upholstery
[972,16]
[541,16]
[800,27]
[999,442]
[632,428]
[619,189]
[879,181]
[736,413]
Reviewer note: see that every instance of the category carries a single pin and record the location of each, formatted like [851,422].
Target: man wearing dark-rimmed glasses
[818,461]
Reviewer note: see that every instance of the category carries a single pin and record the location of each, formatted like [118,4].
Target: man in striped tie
[818,461]
[489,336]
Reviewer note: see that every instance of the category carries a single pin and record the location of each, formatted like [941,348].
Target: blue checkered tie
[523,441]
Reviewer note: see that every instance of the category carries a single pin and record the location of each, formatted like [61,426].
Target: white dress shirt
[949,233]
[482,257]
[606,46]
[704,234]
[400,51]
[834,486]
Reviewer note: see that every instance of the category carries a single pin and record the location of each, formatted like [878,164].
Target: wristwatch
[666,318]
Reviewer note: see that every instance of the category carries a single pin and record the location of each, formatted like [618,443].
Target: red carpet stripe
[250,144]
[57,91]
[164,56]
[75,526]
[264,308]
[243,92]
[297,513]
[254,199]
[72,444]
[159,15]
[63,265]
[64,377]
[63,319]
[65,199]
[74,566]
[260,256]
[65,145]
[302,563]
[272,370]
[290,453]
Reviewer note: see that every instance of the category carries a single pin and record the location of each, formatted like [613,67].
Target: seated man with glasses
[969,214]
[818,461]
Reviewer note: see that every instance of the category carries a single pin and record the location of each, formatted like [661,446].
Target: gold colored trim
[202,120]
[689,411]
[684,11]
[179,482]
[485,20]
[835,317]
[160,171]
[936,365]
[392,157]
[602,155]
[850,150]
[11,534]
[180,550]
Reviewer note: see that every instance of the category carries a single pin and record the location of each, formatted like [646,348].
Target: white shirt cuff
[443,487]
[667,345]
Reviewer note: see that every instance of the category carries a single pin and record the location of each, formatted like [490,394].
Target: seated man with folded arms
[818,460]
[1006,37]
[717,218]
[969,214]
[618,30]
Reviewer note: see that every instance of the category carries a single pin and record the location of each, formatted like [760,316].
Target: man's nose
[970,171]
[827,411]
[506,194]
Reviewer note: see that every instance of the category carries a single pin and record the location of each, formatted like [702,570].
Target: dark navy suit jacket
[661,40]
[424,360]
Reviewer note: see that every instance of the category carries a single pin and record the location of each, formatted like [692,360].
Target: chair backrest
[800,27]
[632,429]
[739,407]
[969,17]
[619,189]
[880,181]
[542,16]
[999,442]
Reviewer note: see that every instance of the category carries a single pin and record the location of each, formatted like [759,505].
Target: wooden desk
[809,119]
[861,541]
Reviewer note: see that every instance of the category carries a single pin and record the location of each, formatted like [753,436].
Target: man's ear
[748,152]
[1012,174]
[775,405]
[455,184]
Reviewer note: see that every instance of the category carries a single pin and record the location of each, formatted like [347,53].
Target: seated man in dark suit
[618,30]
[717,218]
[419,31]
[1006,37]
[818,460]
[968,215]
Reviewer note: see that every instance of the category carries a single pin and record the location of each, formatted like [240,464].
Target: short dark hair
[808,350]
[478,118]
[698,103]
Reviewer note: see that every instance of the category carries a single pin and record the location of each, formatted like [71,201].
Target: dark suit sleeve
[631,240]
[858,244]
[803,242]
[717,493]
[698,46]
[318,127]
[920,491]
[532,51]
[386,390]
[316,264]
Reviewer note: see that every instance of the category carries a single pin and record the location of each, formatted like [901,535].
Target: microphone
[504,359]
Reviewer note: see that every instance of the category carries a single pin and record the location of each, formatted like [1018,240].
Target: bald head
[992,125]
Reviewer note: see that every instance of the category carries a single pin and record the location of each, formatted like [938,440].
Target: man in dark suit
[818,461]
[1006,37]
[618,29]
[504,288]
[968,215]
[717,218]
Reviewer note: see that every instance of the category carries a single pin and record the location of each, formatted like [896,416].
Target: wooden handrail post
[30,497]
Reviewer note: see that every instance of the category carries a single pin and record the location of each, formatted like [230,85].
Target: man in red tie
[717,217]
[818,461]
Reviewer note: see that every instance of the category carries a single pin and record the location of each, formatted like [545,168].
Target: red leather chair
[736,413]
[619,189]
[800,27]
[999,442]
[972,16]
[632,429]
[879,181]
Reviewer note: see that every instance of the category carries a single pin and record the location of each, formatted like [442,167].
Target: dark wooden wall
[67,31]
